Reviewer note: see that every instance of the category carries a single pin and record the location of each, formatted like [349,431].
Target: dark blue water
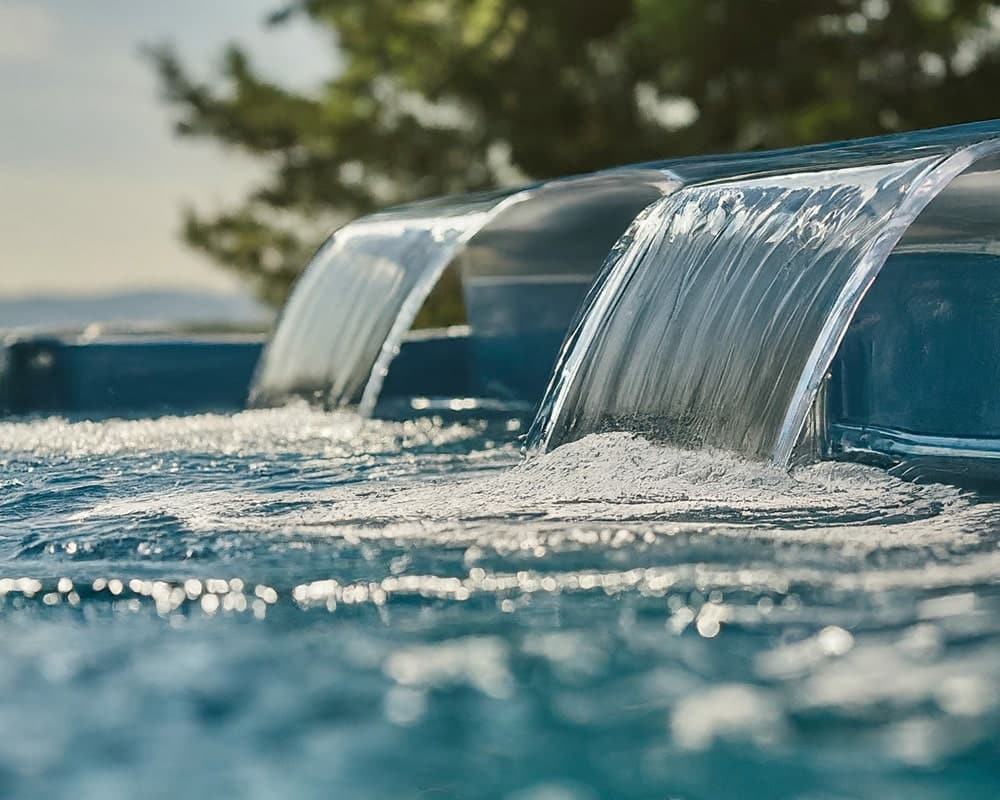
[295,604]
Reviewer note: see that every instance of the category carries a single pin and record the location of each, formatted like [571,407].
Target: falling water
[713,321]
[718,312]
[348,315]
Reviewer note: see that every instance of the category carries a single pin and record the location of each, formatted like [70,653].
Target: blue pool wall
[143,376]
[127,376]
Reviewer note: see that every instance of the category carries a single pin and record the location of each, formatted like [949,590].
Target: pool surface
[289,603]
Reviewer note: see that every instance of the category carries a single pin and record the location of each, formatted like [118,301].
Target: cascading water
[358,298]
[526,260]
[718,313]
[713,322]
[742,277]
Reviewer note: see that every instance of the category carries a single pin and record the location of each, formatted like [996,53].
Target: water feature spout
[359,296]
[717,316]
[526,259]
[728,284]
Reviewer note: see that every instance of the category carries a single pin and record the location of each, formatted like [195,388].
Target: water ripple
[291,603]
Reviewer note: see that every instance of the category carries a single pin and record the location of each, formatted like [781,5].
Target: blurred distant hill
[162,308]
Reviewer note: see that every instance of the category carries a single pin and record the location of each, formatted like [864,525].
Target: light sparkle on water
[339,608]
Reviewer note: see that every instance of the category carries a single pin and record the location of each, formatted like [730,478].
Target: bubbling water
[292,602]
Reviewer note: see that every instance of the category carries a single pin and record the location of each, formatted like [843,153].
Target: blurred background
[92,178]
[182,160]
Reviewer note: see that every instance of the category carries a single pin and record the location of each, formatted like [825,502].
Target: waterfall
[526,259]
[713,321]
[358,298]
[718,313]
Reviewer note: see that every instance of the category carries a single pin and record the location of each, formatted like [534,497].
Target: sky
[92,179]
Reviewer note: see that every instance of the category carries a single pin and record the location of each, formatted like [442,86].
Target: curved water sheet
[915,380]
[358,298]
[718,314]
[527,271]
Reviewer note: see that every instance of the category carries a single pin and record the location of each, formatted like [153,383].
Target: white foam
[294,429]
[623,478]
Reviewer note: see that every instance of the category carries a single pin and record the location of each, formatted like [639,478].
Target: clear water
[717,316]
[347,316]
[706,324]
[288,603]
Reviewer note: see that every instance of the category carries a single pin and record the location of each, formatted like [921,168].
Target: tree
[443,96]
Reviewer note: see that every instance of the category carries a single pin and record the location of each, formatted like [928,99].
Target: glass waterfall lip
[947,152]
[863,439]
[918,198]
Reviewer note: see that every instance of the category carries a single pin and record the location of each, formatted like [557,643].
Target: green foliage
[443,96]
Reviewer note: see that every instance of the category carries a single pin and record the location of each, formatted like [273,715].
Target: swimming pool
[295,603]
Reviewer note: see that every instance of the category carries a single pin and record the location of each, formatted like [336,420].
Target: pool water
[289,603]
